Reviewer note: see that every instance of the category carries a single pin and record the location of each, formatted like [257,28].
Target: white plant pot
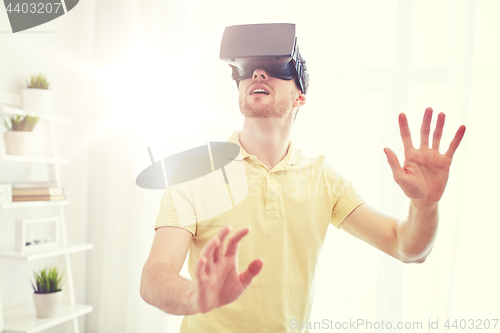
[37,100]
[48,305]
[19,143]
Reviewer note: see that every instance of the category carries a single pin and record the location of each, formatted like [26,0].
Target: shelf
[23,319]
[47,253]
[24,204]
[29,159]
[21,112]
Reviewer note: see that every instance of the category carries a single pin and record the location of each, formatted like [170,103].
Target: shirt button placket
[271,203]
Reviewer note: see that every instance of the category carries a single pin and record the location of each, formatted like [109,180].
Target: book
[37,191]
[38,198]
[34,185]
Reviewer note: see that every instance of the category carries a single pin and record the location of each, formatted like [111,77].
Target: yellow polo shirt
[289,209]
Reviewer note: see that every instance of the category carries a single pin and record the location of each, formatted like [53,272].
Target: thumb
[253,269]
[393,161]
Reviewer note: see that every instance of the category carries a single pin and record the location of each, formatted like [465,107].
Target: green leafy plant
[37,82]
[21,123]
[47,281]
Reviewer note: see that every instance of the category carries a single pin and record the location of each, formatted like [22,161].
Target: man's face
[264,96]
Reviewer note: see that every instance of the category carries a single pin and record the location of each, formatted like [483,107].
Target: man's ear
[300,100]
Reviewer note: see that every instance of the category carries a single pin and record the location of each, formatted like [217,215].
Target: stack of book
[36,191]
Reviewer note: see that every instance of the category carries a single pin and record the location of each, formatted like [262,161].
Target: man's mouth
[259,91]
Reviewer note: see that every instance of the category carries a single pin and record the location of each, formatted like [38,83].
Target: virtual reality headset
[272,47]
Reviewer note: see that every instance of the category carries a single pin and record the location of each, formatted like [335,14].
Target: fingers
[438,132]
[455,142]
[232,245]
[405,131]
[425,129]
[213,250]
[393,162]
[253,269]
[207,253]
[218,253]
[200,270]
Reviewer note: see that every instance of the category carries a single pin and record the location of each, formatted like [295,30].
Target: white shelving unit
[25,204]
[20,112]
[61,249]
[23,319]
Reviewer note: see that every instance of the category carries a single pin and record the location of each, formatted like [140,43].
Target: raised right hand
[218,281]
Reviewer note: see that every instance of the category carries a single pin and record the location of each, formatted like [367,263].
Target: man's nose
[260,73]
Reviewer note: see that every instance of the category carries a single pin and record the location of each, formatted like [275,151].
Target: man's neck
[267,138]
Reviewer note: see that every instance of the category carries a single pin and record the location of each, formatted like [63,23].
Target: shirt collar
[292,157]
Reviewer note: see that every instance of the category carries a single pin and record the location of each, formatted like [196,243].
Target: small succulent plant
[37,82]
[21,123]
[47,281]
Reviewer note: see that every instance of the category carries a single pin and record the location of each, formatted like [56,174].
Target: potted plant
[48,295]
[36,96]
[19,138]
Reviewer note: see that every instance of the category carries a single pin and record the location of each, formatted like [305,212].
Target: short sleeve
[177,209]
[345,197]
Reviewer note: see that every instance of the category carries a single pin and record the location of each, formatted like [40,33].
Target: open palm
[218,281]
[425,171]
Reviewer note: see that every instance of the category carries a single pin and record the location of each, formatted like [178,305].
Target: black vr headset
[272,47]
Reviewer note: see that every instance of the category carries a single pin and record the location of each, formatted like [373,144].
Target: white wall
[60,49]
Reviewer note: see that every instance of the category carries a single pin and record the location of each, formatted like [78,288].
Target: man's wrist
[190,302]
[424,204]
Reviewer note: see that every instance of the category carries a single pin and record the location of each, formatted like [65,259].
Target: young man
[233,290]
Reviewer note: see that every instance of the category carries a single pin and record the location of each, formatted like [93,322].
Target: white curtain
[159,83]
